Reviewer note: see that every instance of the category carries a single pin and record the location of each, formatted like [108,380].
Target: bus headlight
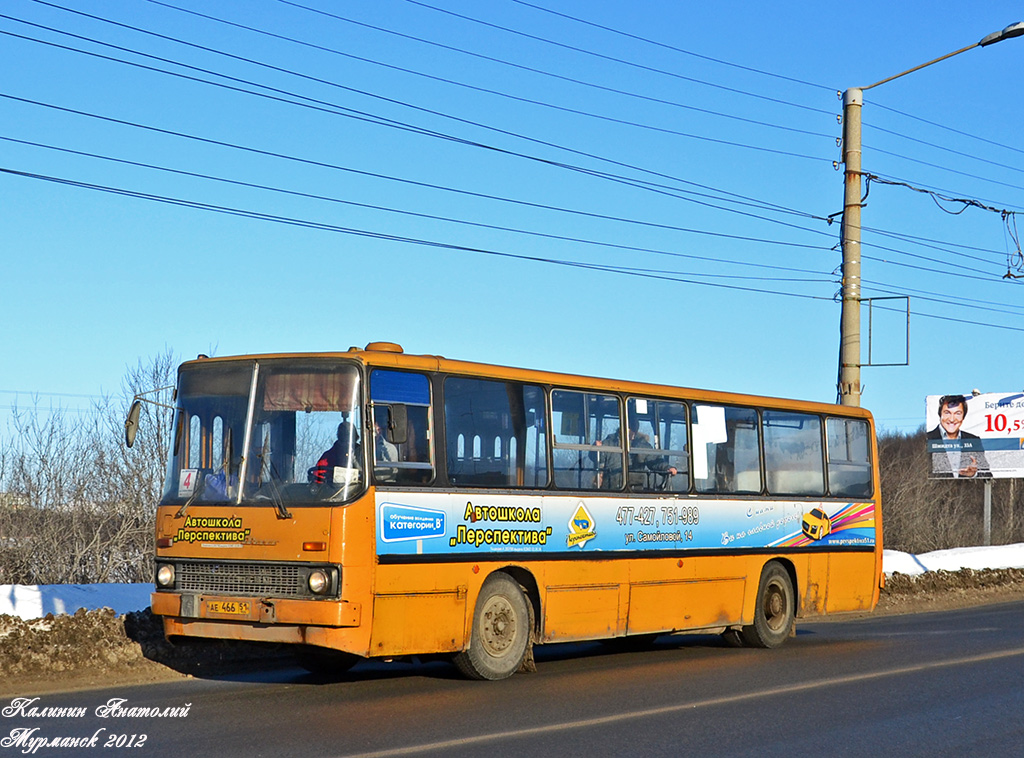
[319,581]
[165,575]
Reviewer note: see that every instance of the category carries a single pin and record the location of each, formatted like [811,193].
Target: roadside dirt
[100,649]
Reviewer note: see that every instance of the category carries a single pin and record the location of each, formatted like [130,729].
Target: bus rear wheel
[500,636]
[775,612]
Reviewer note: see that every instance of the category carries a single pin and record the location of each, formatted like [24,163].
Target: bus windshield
[268,432]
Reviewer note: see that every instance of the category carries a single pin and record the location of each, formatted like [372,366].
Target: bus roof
[391,355]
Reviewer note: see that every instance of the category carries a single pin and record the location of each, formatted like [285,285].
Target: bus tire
[500,635]
[775,612]
[325,662]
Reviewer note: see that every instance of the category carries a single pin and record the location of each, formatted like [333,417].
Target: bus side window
[726,449]
[793,459]
[394,396]
[493,435]
[849,457]
[588,453]
[657,446]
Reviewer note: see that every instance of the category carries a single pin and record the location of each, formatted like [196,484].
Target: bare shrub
[77,506]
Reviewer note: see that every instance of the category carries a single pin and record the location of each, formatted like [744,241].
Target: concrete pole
[849,344]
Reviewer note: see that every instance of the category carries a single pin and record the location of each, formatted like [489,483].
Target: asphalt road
[939,684]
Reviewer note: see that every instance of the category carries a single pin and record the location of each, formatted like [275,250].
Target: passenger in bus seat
[385,454]
[383,451]
[610,466]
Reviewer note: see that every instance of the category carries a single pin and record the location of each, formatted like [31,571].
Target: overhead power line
[499,93]
[944,168]
[462,222]
[563,238]
[303,223]
[673,48]
[376,175]
[961,153]
[321,226]
[630,182]
[336,85]
[950,193]
[951,129]
[934,297]
[336,109]
[371,174]
[601,56]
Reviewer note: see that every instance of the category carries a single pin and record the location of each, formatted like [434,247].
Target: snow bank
[996,557]
[35,601]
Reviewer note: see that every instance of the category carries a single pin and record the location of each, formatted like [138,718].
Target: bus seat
[790,482]
[748,481]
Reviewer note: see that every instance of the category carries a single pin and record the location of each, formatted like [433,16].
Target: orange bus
[376,504]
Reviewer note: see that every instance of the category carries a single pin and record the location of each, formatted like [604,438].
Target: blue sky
[648,203]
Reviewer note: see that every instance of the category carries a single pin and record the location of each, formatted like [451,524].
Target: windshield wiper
[200,488]
[275,492]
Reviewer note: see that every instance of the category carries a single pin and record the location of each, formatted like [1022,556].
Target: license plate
[229,607]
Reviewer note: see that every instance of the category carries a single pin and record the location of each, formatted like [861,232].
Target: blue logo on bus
[399,523]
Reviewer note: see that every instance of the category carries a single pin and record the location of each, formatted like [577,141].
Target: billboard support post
[988,512]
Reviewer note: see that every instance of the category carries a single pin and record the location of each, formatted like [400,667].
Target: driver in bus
[345,453]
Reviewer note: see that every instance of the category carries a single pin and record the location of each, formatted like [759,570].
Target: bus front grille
[277,579]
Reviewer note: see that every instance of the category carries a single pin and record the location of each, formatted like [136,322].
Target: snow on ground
[35,601]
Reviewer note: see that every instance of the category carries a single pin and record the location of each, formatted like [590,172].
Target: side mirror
[398,425]
[131,424]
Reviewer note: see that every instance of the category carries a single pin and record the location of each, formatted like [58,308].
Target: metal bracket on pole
[870,301]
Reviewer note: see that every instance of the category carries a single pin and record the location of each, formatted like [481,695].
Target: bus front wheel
[775,612]
[500,635]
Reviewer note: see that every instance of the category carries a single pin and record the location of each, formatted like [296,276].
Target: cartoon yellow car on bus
[816,524]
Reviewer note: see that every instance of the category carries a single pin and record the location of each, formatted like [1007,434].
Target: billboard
[976,436]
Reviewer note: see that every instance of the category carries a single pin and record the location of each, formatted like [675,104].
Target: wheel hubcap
[775,607]
[499,626]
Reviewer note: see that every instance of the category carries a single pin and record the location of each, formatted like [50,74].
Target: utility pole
[849,325]
[849,344]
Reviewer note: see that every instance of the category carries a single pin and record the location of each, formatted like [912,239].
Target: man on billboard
[957,453]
